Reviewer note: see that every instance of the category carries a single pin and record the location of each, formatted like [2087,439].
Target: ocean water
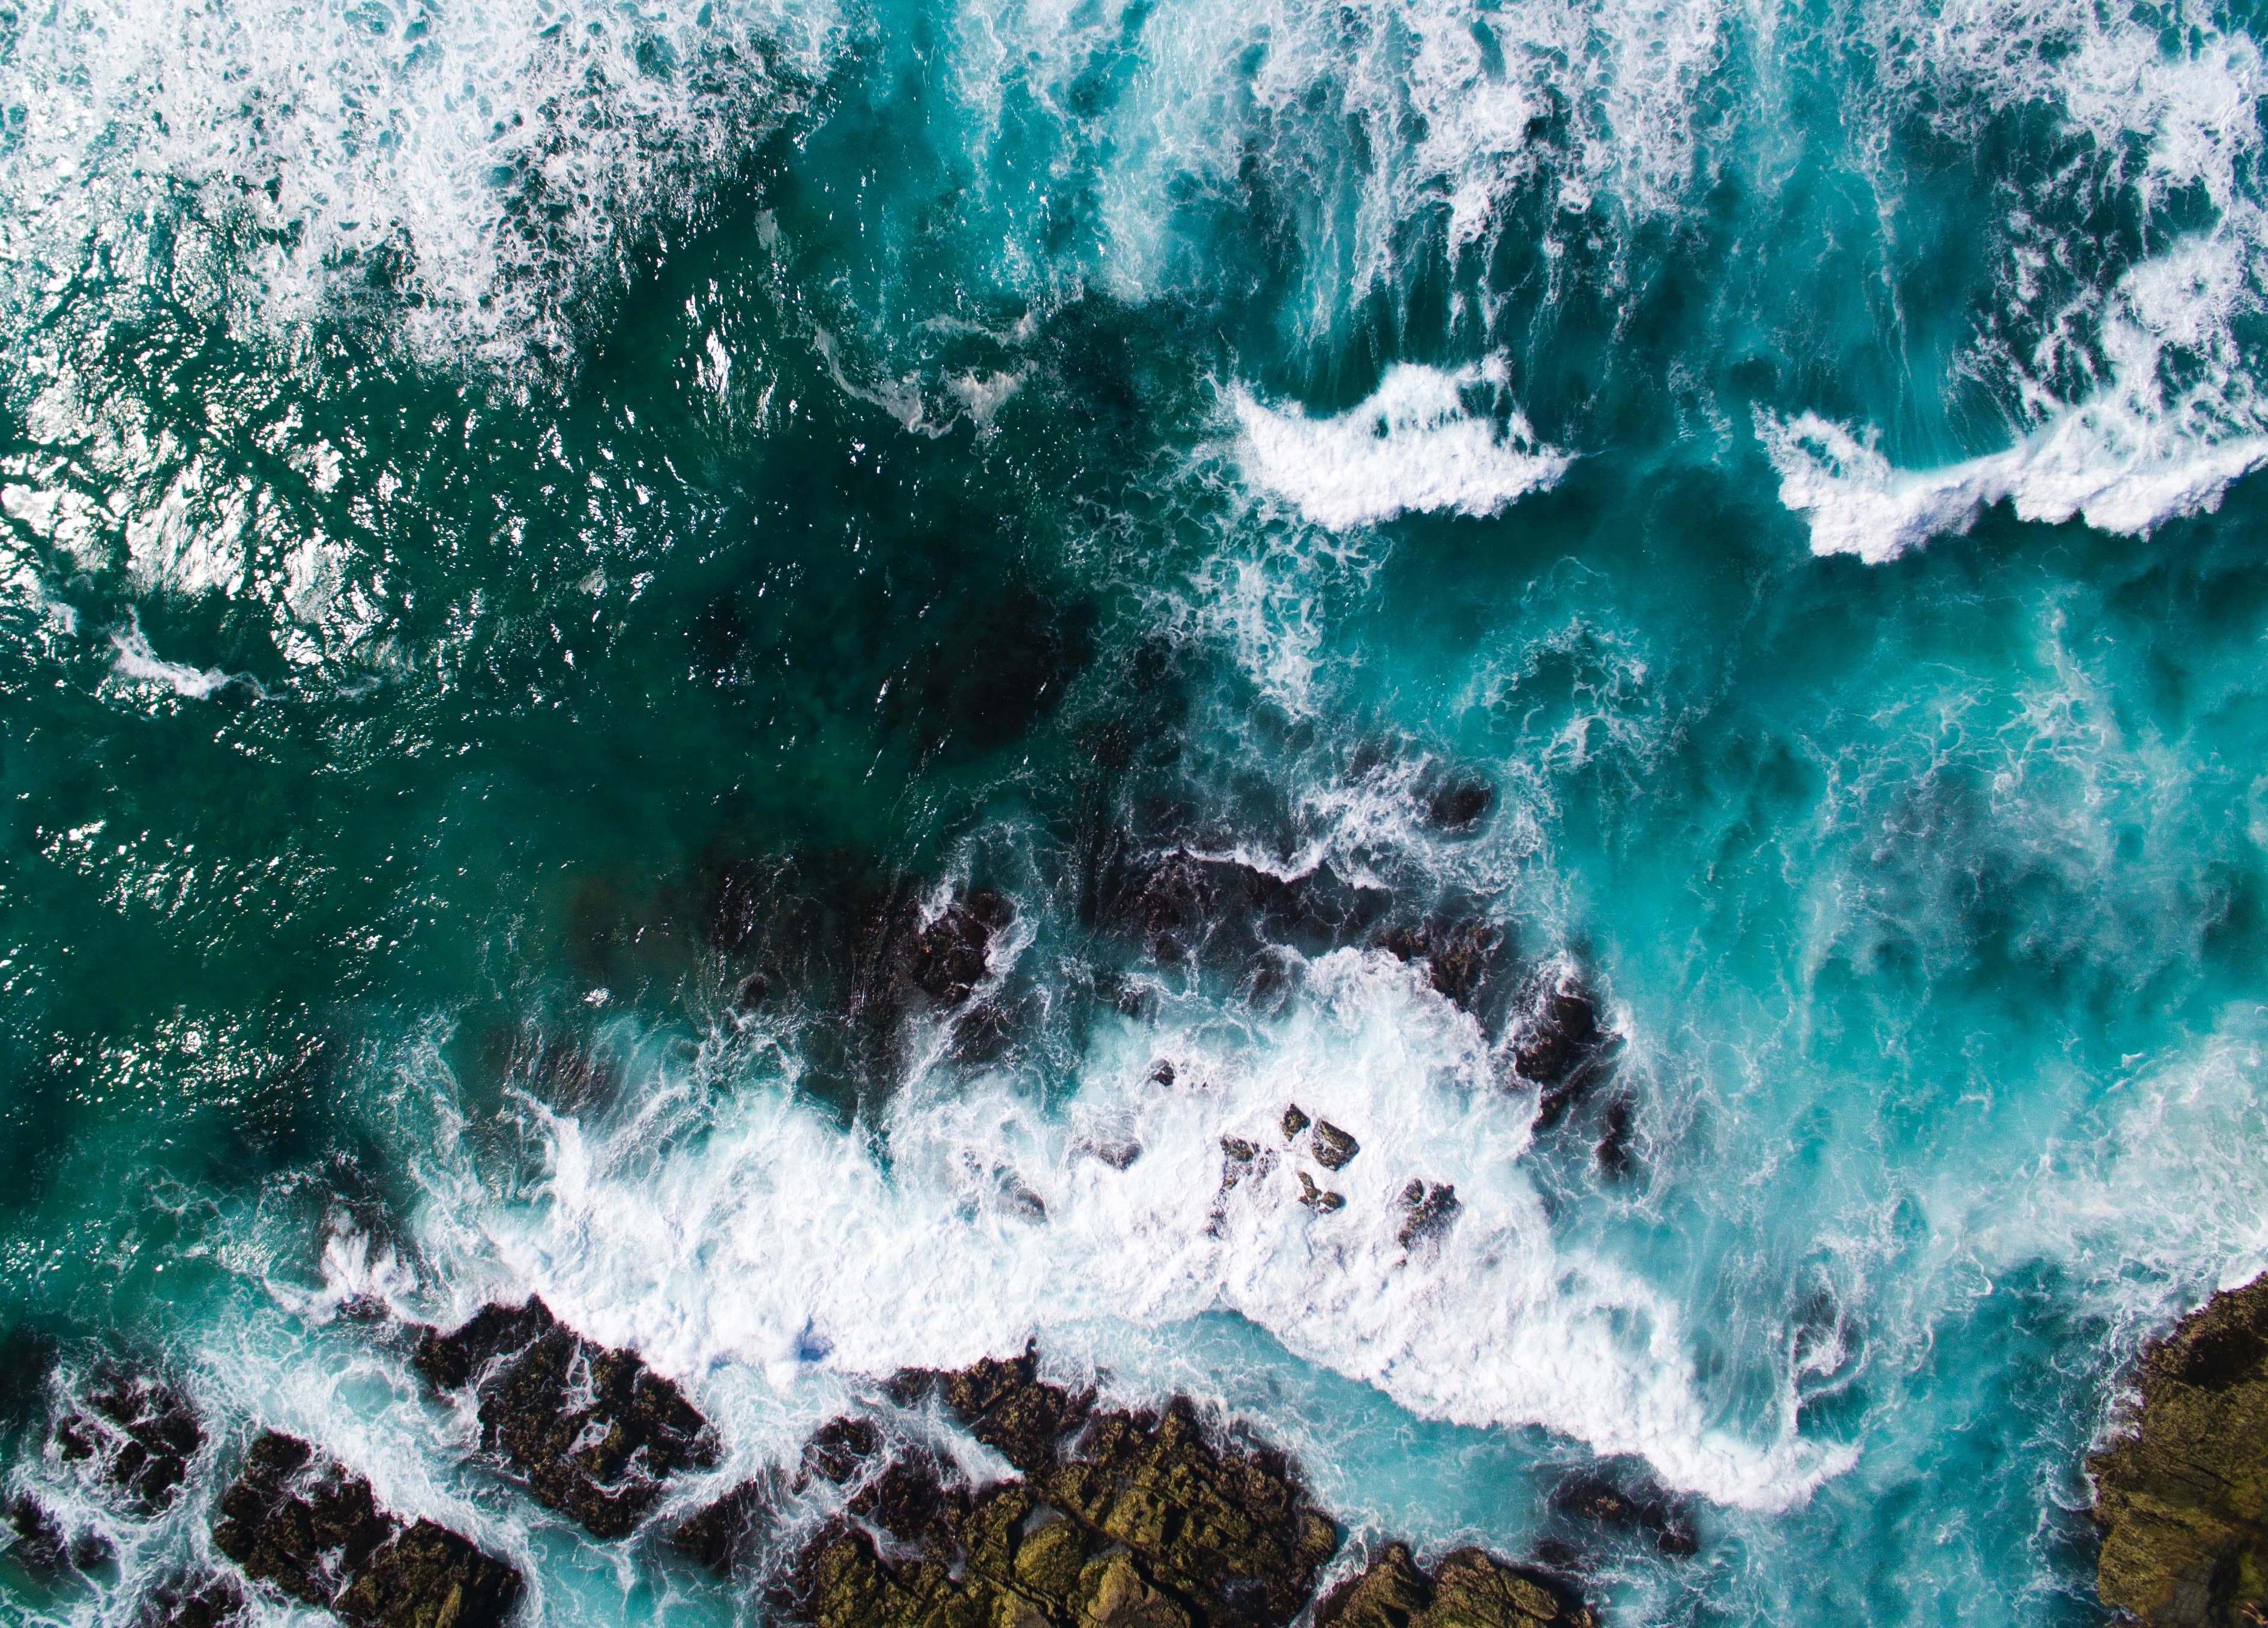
[521,517]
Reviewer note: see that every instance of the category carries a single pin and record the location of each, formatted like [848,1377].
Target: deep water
[540,546]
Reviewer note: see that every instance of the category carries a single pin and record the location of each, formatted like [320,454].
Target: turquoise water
[518,519]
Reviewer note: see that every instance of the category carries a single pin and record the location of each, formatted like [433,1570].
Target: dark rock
[1322,1200]
[1615,1138]
[1469,1588]
[140,1432]
[950,956]
[1334,1148]
[841,1448]
[1237,1150]
[303,1525]
[1181,906]
[1460,956]
[1163,1074]
[1008,1408]
[594,1433]
[1426,1211]
[42,1544]
[722,1535]
[1558,1045]
[297,1521]
[910,1499]
[431,1578]
[2181,1498]
[1460,804]
[1145,1524]
[1119,1154]
[209,1601]
[1644,1509]
[1295,1122]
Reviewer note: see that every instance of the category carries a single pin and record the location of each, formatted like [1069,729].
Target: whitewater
[547,550]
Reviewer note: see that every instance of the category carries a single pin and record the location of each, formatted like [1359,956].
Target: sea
[544,543]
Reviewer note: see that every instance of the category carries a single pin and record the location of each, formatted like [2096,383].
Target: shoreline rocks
[591,1432]
[310,1529]
[2182,1497]
[1469,1588]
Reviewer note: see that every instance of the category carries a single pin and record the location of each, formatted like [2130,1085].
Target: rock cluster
[2182,1499]
[304,1526]
[139,1431]
[1468,1589]
[951,955]
[1118,1520]
[594,1434]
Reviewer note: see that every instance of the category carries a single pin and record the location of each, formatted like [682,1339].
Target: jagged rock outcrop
[205,1601]
[138,1432]
[1137,1521]
[1469,1588]
[2182,1498]
[950,956]
[304,1526]
[1640,1509]
[1558,1044]
[594,1434]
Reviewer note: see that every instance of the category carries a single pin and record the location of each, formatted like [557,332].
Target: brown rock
[1334,1148]
[2183,1498]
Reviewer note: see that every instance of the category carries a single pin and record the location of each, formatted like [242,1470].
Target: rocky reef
[2182,1497]
[1469,1588]
[307,1527]
[593,1433]
[1116,1518]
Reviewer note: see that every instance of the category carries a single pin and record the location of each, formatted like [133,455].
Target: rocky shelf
[2182,1496]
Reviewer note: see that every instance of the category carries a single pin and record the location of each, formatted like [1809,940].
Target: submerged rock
[1643,1509]
[1460,803]
[206,1601]
[950,956]
[1558,1044]
[2183,1498]
[595,1434]
[1142,1522]
[304,1526]
[1460,956]
[43,1547]
[722,1535]
[139,1432]
[1469,1588]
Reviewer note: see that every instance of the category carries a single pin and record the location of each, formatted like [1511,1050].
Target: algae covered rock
[307,1527]
[2182,1499]
[1469,1588]
[595,1434]
[1137,1521]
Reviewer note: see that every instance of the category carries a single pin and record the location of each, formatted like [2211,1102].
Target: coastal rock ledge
[2181,1498]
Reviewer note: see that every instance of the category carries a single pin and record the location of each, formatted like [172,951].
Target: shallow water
[519,519]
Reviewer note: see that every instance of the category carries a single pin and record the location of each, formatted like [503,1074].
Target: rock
[1459,956]
[1006,1408]
[1470,1589]
[1295,1122]
[1558,1045]
[1323,1201]
[721,1535]
[594,1433]
[209,1600]
[1145,1523]
[950,956]
[841,1448]
[42,1544]
[1334,1148]
[2181,1498]
[1426,1211]
[1460,803]
[1615,1138]
[1644,1509]
[303,1525]
[139,1433]
[429,1578]
[1162,1074]
[1113,1594]
[1237,1150]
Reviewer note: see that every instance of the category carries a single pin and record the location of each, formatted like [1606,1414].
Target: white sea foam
[1414,445]
[137,662]
[776,1244]
[504,148]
